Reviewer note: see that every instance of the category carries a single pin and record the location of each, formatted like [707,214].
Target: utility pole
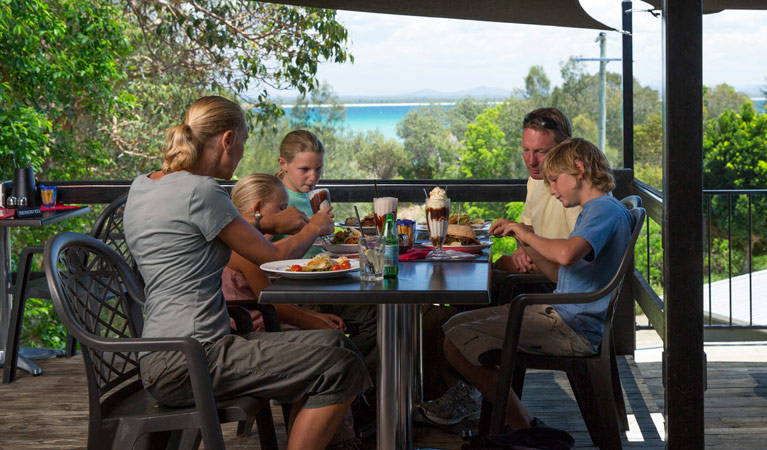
[603,60]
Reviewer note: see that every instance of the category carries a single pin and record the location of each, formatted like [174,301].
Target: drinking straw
[375,185]
[425,193]
[358,218]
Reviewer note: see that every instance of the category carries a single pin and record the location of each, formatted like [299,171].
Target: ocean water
[385,116]
[377,116]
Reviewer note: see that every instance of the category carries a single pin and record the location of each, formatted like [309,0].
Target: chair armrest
[511,281]
[241,318]
[271,322]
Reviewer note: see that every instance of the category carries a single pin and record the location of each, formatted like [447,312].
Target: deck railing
[735,294]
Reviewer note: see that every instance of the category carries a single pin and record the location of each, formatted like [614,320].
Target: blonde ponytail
[206,118]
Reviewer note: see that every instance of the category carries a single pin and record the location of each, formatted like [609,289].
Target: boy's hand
[521,261]
[517,230]
[497,227]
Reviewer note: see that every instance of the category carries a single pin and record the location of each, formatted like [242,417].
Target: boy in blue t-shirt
[577,173]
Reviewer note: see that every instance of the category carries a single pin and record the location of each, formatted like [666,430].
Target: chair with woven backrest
[98,299]
[592,378]
[108,228]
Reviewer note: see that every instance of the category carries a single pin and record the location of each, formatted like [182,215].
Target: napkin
[454,254]
[6,213]
[59,207]
[414,254]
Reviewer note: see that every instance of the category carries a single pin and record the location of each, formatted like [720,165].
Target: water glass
[371,258]
[48,195]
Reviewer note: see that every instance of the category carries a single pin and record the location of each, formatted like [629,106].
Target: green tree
[735,157]
[537,86]
[463,113]
[427,142]
[720,98]
[59,67]
[376,156]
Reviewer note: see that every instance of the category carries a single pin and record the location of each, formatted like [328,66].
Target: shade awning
[559,13]
[715,6]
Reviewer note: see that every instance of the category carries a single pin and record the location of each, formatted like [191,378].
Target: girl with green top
[301,158]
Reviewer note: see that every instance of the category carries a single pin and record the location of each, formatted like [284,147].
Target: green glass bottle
[391,252]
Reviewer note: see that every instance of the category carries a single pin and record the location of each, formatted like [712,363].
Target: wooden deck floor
[50,411]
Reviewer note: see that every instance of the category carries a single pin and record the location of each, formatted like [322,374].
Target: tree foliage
[735,157]
[60,65]
[429,143]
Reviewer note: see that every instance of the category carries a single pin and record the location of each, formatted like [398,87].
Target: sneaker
[456,404]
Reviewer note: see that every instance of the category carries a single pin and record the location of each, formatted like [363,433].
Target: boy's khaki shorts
[543,332]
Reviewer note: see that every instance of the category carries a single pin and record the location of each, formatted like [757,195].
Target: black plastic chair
[98,298]
[592,378]
[108,228]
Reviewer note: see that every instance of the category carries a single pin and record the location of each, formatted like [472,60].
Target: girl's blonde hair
[254,187]
[298,141]
[206,118]
[596,169]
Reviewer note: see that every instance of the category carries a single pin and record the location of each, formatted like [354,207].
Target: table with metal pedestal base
[49,217]
[398,300]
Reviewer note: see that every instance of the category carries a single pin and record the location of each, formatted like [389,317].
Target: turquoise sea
[385,116]
[377,116]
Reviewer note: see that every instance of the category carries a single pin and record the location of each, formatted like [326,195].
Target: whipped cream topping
[437,198]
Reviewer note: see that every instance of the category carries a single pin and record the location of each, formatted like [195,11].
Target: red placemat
[59,207]
[416,253]
[6,213]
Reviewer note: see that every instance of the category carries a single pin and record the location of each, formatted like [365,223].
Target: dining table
[460,281]
[47,217]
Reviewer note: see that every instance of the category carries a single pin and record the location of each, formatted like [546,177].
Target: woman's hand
[335,322]
[287,221]
[323,220]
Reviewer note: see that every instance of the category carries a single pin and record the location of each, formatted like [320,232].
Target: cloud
[403,53]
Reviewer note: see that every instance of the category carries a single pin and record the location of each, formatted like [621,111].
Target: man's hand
[287,221]
[517,262]
[497,227]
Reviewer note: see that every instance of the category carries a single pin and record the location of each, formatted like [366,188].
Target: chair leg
[599,376]
[186,439]
[484,417]
[71,348]
[620,404]
[267,437]
[586,398]
[286,411]
[518,381]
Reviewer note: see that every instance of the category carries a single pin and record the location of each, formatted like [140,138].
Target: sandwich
[460,235]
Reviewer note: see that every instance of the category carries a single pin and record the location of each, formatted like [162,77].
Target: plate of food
[343,242]
[321,266]
[368,224]
[462,238]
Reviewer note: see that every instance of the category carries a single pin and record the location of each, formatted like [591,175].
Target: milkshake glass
[383,206]
[437,214]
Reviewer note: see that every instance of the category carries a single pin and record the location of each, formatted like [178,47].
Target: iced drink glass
[383,206]
[436,221]
[371,258]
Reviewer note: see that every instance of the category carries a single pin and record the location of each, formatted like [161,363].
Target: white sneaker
[456,404]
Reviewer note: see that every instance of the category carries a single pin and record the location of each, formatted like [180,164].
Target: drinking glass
[48,195]
[436,220]
[383,206]
[319,199]
[371,258]
[405,230]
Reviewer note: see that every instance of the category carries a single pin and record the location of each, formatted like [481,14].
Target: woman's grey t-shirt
[171,226]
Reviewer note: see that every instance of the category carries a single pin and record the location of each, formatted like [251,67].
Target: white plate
[279,267]
[340,249]
[365,230]
[463,248]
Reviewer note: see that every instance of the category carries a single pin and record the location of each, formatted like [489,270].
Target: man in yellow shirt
[542,129]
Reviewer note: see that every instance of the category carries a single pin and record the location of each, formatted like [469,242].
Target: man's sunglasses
[545,122]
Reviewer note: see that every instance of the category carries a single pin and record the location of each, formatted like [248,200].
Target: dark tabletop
[47,218]
[452,282]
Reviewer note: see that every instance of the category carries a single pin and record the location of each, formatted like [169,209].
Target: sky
[402,54]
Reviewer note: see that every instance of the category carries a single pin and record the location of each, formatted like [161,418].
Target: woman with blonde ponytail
[181,227]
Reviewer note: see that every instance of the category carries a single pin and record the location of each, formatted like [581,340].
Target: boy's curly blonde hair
[596,169]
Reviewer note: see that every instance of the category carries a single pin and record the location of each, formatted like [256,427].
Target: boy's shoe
[456,404]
